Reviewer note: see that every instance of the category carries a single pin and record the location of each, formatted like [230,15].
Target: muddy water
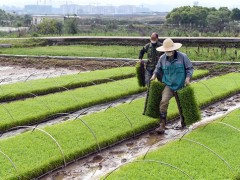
[11,74]
[97,165]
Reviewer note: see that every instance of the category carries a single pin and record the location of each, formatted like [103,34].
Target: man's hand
[153,77]
[187,81]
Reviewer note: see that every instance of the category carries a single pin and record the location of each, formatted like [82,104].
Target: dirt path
[21,69]
[89,65]
[46,63]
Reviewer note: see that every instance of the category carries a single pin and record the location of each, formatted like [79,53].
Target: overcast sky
[167,3]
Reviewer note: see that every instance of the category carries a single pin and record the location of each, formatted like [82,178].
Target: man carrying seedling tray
[152,56]
[176,71]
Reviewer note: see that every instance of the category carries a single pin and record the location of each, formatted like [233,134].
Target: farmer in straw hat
[176,70]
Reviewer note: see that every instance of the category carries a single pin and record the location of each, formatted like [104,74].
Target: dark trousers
[148,75]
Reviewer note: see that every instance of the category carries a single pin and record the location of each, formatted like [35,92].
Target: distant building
[143,10]
[74,9]
[37,19]
[69,9]
[85,9]
[89,9]
[72,17]
[13,29]
[103,10]
[126,9]
[38,9]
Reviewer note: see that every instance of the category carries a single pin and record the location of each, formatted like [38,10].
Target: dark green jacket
[152,54]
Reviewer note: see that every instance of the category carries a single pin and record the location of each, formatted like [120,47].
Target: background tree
[50,26]
[59,27]
[235,14]
[71,26]
[202,19]
[27,20]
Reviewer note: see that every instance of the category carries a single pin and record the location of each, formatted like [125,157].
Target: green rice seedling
[189,106]
[35,110]
[140,72]
[155,96]
[51,85]
[193,159]
[34,153]
[118,51]
[188,102]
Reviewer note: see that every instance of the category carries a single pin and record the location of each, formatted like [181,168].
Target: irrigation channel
[96,165]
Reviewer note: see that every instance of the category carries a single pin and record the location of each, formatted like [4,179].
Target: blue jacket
[173,72]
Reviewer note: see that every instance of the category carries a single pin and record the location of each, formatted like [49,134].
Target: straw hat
[169,45]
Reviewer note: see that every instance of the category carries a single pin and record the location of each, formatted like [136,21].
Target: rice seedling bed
[209,152]
[35,153]
[38,87]
[38,109]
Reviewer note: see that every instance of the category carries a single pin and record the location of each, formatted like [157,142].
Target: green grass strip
[112,51]
[118,51]
[140,73]
[154,98]
[195,160]
[35,153]
[189,106]
[199,73]
[34,110]
[38,87]
[50,85]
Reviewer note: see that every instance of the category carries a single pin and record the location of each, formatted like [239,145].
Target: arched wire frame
[11,161]
[204,146]
[52,138]
[125,115]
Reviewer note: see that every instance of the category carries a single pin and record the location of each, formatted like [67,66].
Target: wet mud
[12,74]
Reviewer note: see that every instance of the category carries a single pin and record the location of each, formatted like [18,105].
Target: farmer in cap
[176,71]
[152,55]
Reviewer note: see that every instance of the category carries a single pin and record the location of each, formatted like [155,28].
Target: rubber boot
[162,124]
